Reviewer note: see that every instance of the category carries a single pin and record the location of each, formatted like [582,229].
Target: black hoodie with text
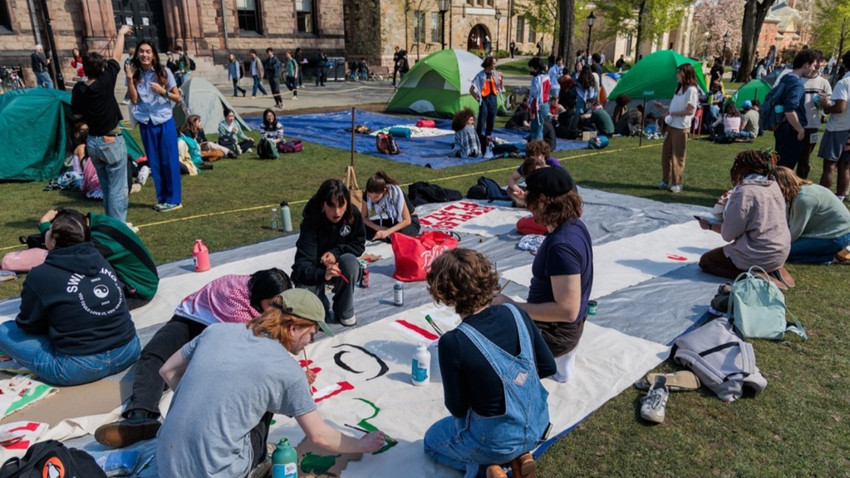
[76,299]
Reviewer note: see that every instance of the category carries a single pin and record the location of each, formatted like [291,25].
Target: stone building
[786,28]
[207,29]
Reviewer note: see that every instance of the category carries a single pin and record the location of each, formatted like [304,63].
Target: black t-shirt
[469,380]
[716,72]
[96,102]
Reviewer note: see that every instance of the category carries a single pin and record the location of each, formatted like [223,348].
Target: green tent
[35,129]
[438,85]
[752,90]
[654,77]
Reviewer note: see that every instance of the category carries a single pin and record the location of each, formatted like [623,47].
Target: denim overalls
[469,442]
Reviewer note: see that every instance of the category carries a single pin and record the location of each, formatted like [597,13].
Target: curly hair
[789,183]
[461,118]
[275,322]
[753,162]
[537,148]
[463,279]
[554,211]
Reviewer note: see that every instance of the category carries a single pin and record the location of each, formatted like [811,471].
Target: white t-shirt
[840,121]
[680,102]
[818,85]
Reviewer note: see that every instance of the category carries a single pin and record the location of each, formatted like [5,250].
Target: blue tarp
[329,129]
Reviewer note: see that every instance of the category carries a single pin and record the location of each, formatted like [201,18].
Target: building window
[304,18]
[532,35]
[418,26]
[435,28]
[5,18]
[246,12]
[520,29]
[629,44]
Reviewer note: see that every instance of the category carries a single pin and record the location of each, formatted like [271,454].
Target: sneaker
[843,256]
[127,432]
[132,227]
[496,471]
[654,404]
[157,206]
[169,207]
[676,188]
[249,151]
[144,174]
[294,97]
[349,321]
[663,185]
[136,188]
[525,465]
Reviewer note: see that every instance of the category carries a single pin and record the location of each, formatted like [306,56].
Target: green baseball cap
[306,305]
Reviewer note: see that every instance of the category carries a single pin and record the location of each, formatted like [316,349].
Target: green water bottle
[284,460]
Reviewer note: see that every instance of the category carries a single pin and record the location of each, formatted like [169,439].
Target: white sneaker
[654,406]
[144,174]
[676,188]
[488,153]
[132,227]
[349,321]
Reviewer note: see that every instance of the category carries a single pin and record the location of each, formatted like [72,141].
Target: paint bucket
[591,307]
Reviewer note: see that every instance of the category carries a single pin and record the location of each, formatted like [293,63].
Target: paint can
[364,274]
[591,307]
[420,366]
[398,294]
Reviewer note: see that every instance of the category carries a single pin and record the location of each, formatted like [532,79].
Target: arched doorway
[476,38]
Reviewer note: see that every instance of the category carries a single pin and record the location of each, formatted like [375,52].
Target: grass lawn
[796,427]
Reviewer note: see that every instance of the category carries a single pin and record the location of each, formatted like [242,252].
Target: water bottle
[275,219]
[285,217]
[201,256]
[420,366]
[284,460]
[364,274]
[398,293]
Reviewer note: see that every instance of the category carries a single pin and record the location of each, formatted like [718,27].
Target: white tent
[205,100]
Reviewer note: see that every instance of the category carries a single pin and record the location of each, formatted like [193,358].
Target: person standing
[94,101]
[257,74]
[184,66]
[538,97]
[832,147]
[77,65]
[273,68]
[39,67]
[678,119]
[513,48]
[814,84]
[396,63]
[321,68]
[332,238]
[299,58]
[716,72]
[235,72]
[562,272]
[292,75]
[791,134]
[555,72]
[485,88]
[620,63]
[153,90]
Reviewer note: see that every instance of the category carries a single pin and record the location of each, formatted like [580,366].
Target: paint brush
[503,286]
[390,440]
[344,279]
[304,351]
[434,325]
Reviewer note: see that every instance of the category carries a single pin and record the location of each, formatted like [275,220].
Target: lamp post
[443,6]
[498,16]
[725,42]
[590,19]
[707,41]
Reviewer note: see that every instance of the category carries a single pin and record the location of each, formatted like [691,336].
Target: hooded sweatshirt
[76,299]
[318,236]
[754,222]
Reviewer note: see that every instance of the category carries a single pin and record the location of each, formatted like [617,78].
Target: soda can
[364,274]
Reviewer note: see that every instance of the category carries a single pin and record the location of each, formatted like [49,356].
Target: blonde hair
[789,183]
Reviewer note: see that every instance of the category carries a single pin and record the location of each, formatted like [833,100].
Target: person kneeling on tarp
[393,210]
[217,429]
[74,326]
[562,272]
[491,367]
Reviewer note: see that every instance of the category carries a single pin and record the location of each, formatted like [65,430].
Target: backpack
[52,458]
[757,308]
[291,146]
[487,189]
[598,142]
[192,65]
[769,118]
[721,360]
[423,193]
[267,150]
[386,144]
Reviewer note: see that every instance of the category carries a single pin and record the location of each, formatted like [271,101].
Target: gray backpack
[722,360]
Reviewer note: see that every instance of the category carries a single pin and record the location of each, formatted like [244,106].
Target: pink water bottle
[202,256]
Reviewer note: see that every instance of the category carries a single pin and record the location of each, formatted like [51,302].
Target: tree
[832,28]
[641,18]
[541,16]
[716,18]
[754,13]
[566,30]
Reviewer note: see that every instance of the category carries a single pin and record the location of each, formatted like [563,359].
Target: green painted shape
[32,395]
[364,424]
[318,464]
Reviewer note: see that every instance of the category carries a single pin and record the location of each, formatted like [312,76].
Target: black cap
[552,181]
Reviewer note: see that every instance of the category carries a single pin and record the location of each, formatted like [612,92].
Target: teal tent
[654,76]
[438,85]
[752,90]
[35,130]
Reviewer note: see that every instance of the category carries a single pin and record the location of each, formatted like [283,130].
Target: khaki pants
[673,156]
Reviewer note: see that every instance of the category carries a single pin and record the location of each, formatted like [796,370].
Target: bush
[503,54]
[477,52]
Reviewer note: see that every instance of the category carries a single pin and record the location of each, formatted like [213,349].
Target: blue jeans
[109,156]
[43,80]
[487,116]
[258,85]
[817,251]
[160,142]
[536,125]
[468,443]
[36,353]
[787,147]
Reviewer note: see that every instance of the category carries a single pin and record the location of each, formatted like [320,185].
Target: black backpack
[423,193]
[487,189]
[52,458]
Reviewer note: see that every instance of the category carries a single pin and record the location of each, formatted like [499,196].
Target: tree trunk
[566,14]
[638,37]
[754,14]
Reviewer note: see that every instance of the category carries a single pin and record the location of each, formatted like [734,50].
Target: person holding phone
[678,117]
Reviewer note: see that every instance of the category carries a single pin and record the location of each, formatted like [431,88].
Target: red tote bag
[414,255]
